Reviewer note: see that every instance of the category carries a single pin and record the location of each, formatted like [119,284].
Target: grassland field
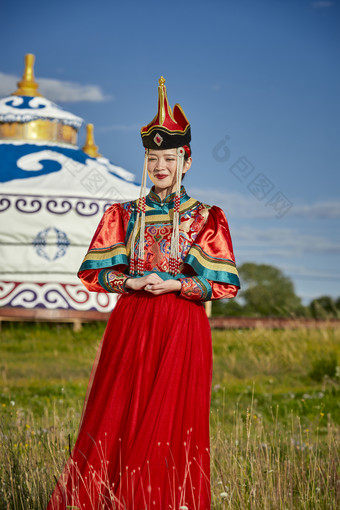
[275,414]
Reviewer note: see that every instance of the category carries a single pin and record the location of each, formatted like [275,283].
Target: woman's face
[162,166]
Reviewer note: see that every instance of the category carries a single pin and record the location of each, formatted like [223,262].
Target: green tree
[227,308]
[265,291]
[324,307]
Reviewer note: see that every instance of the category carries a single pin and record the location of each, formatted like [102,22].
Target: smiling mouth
[161,176]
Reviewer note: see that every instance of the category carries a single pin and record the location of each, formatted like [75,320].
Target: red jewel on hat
[158,139]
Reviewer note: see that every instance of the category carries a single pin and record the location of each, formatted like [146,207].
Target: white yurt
[52,196]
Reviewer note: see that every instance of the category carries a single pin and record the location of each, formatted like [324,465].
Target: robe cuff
[196,288]
[113,281]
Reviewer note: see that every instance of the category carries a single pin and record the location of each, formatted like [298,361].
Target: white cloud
[8,84]
[237,204]
[320,210]
[118,127]
[286,242]
[281,246]
[322,4]
[67,91]
[216,87]
[56,90]
[242,205]
[302,272]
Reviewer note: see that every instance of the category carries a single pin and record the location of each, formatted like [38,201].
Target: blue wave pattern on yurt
[26,103]
[10,154]
[28,108]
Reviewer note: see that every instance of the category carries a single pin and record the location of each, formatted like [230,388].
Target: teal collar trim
[153,200]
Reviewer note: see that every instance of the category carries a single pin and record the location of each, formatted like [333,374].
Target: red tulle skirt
[143,442]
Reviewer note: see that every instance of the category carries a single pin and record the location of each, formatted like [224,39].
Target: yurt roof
[39,151]
[63,170]
[15,108]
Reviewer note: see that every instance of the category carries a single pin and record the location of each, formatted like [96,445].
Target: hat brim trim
[158,127]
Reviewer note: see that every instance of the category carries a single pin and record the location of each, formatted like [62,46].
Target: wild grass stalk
[253,466]
[258,466]
[274,415]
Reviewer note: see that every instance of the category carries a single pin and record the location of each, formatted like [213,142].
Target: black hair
[186,157]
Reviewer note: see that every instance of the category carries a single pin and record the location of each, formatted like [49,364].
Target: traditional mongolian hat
[168,130]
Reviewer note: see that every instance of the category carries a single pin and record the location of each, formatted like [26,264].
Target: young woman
[143,441]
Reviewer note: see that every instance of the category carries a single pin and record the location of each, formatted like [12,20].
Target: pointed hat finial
[28,86]
[168,129]
[162,101]
[90,147]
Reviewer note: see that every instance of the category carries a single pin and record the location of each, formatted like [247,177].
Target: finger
[155,292]
[154,286]
[154,278]
[159,292]
[158,285]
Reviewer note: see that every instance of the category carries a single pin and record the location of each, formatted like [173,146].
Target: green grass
[46,364]
[275,414]
[278,365]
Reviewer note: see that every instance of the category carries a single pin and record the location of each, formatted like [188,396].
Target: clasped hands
[154,284]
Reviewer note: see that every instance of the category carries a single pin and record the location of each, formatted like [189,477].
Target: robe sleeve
[102,269]
[212,262]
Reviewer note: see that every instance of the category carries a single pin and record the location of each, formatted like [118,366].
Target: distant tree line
[267,292]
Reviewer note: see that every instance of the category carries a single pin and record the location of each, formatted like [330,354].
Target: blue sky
[258,80]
